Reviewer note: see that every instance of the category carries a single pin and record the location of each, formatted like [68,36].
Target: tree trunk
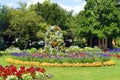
[26,44]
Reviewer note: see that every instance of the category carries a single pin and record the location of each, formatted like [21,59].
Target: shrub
[74,49]
[10,50]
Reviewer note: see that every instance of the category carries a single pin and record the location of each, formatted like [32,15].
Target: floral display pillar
[54,43]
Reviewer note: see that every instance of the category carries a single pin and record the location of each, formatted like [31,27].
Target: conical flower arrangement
[54,43]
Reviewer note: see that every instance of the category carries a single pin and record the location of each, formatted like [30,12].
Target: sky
[74,5]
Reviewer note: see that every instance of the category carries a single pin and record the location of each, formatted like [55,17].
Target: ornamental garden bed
[114,52]
[65,64]
[31,73]
[73,56]
[66,60]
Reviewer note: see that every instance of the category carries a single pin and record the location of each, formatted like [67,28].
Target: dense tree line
[100,18]
[24,26]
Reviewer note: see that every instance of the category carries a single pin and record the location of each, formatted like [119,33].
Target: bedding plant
[31,73]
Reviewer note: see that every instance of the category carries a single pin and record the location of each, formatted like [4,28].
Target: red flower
[4,75]
[31,70]
[18,74]
[42,70]
[12,70]
[22,67]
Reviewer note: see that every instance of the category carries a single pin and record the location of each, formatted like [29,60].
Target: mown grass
[81,73]
[2,60]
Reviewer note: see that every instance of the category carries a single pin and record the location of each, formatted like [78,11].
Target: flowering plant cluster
[113,52]
[54,43]
[80,57]
[31,73]
[10,50]
[65,64]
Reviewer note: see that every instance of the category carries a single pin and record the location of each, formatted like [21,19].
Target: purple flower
[105,55]
[21,54]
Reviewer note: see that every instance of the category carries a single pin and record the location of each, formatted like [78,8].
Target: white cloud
[75,9]
[11,4]
[34,2]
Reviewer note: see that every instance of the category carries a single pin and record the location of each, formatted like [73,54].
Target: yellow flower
[19,62]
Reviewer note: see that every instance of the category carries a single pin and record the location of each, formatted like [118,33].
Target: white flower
[12,77]
[27,77]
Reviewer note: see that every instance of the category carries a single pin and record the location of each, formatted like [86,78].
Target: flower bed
[113,52]
[67,58]
[96,64]
[32,73]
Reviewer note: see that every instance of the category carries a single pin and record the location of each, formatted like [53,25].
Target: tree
[4,22]
[53,14]
[24,26]
[100,18]
[3,18]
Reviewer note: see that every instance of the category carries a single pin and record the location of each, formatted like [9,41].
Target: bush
[40,50]
[93,50]
[32,50]
[74,49]
[10,50]
[117,45]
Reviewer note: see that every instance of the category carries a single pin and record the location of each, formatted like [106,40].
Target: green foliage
[40,76]
[74,49]
[52,13]
[12,77]
[88,49]
[23,24]
[27,77]
[99,18]
[40,50]
[1,43]
[10,50]
[92,50]
[2,53]
[42,30]
[4,22]
[63,59]
[105,59]
[32,50]
[4,10]
[97,48]
[117,43]
[1,78]
[79,42]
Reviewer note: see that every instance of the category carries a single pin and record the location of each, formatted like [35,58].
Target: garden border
[94,64]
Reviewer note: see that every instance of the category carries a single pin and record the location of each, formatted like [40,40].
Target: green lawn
[81,73]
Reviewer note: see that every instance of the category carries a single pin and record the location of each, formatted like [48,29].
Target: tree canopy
[4,22]
[24,26]
[52,13]
[99,18]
